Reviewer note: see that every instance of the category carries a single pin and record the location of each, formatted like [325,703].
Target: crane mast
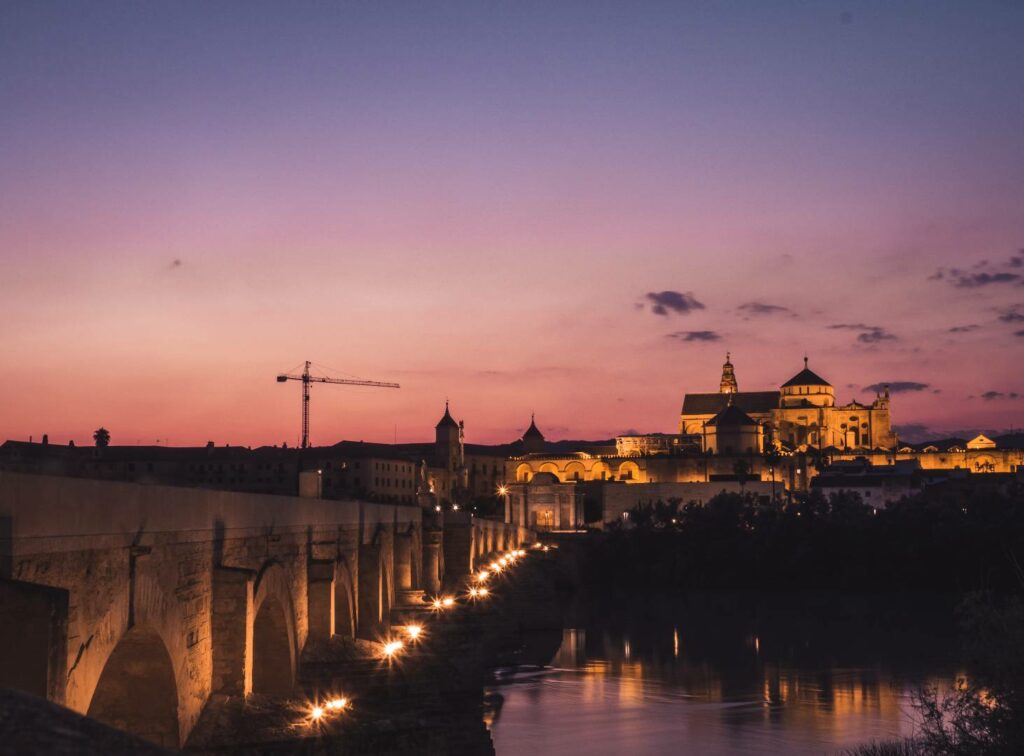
[308,379]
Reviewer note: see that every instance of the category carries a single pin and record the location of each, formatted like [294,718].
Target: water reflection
[724,674]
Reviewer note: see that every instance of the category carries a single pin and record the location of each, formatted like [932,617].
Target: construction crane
[307,379]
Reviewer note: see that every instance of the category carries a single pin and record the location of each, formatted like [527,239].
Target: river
[659,673]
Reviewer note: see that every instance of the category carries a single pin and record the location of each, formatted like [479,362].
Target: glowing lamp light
[502,490]
[317,713]
[437,508]
[336,704]
[482,591]
[447,602]
[495,566]
[413,631]
[483,575]
[455,507]
[436,603]
[392,648]
[547,548]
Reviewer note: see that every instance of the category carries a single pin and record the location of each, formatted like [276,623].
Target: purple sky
[573,209]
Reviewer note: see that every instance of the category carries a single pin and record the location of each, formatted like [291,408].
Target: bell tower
[728,384]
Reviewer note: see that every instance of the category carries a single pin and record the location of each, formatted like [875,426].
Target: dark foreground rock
[30,725]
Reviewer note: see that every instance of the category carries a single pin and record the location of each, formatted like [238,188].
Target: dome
[807,389]
[806,377]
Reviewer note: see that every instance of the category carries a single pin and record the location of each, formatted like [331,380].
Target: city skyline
[573,211]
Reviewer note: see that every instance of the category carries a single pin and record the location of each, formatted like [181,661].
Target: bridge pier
[433,567]
[41,634]
[371,599]
[345,607]
[320,598]
[231,627]
[403,562]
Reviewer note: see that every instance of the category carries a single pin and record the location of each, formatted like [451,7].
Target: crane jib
[306,379]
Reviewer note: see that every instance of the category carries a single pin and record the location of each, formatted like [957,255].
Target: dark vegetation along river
[664,672]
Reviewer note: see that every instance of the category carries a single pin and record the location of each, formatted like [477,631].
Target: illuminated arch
[344,601]
[629,471]
[575,471]
[550,467]
[137,691]
[274,637]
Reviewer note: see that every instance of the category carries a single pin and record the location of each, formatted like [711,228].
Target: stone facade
[801,414]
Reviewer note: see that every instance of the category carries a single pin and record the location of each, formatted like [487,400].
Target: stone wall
[197,568]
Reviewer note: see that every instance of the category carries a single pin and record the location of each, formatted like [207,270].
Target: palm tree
[771,458]
[741,468]
[101,437]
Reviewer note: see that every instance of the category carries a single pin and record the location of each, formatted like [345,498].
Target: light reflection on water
[724,675]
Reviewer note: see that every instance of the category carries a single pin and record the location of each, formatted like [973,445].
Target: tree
[985,713]
[771,458]
[101,437]
[741,468]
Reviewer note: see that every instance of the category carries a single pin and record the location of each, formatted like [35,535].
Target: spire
[728,384]
[805,361]
[447,420]
[533,439]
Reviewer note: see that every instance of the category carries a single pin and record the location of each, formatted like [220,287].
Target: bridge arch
[273,633]
[375,588]
[344,600]
[137,691]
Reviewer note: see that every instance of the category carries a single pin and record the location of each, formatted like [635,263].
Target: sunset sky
[568,208]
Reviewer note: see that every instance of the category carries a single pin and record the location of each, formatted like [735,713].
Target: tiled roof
[748,401]
[731,416]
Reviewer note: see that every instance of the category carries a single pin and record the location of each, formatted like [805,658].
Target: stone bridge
[136,604]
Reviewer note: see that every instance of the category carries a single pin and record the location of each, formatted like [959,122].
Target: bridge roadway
[134,604]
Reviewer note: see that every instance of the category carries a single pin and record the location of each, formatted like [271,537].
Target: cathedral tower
[728,385]
[448,442]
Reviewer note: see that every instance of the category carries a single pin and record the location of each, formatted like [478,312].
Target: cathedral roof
[732,416]
[748,401]
[806,377]
[447,421]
